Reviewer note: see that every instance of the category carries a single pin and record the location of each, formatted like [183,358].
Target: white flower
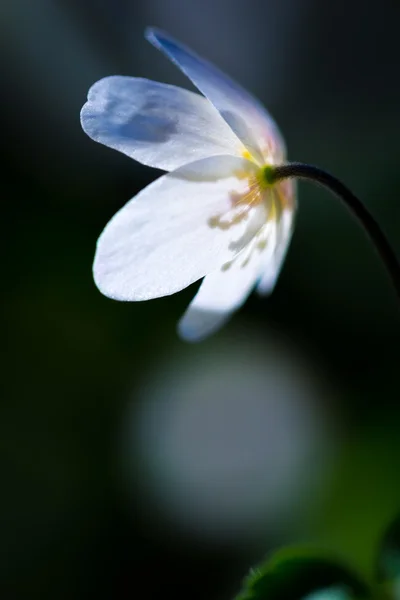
[213,215]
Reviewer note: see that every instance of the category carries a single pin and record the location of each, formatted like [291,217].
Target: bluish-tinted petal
[244,114]
[159,125]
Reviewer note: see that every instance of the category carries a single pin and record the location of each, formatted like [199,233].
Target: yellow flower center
[246,154]
[259,190]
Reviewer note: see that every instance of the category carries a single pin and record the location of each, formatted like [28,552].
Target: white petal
[243,113]
[177,230]
[273,267]
[224,291]
[159,125]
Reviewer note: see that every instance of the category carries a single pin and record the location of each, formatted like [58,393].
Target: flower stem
[365,218]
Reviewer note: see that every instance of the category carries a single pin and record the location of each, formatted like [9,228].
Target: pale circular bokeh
[232,436]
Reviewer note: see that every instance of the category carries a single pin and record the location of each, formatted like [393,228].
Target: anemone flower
[214,214]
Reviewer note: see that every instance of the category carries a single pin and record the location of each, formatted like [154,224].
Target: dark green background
[329,73]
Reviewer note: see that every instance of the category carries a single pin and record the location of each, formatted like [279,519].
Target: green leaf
[302,574]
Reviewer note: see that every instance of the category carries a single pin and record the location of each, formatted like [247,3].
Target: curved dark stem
[312,173]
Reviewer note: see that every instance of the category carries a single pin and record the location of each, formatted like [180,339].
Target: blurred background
[133,461]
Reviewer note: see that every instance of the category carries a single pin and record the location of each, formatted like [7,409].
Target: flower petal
[244,114]
[224,291]
[159,125]
[181,227]
[273,267]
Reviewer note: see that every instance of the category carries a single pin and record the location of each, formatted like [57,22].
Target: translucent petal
[159,125]
[224,291]
[244,114]
[181,227]
[272,267]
